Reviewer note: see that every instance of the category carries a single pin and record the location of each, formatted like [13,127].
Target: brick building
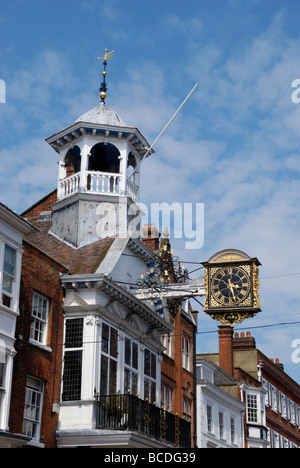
[178,364]
[272,398]
[12,231]
[89,353]
[39,332]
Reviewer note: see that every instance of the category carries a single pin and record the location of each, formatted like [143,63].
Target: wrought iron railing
[130,413]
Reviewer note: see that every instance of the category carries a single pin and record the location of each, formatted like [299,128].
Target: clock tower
[98,175]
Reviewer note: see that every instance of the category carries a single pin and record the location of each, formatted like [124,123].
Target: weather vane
[103,87]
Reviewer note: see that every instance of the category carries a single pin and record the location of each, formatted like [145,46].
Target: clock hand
[231,287]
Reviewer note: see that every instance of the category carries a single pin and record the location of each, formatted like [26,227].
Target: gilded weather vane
[103,87]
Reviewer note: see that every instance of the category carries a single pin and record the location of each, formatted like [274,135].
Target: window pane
[32,409]
[113,377]
[105,338]
[128,351]
[72,376]
[147,362]
[2,370]
[74,330]
[134,384]
[146,389]
[114,343]
[104,375]
[39,312]
[9,260]
[135,357]
[252,408]
[126,380]
[153,366]
[7,283]
[153,392]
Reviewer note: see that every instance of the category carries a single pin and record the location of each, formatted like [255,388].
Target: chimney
[151,236]
[279,364]
[243,342]
[226,348]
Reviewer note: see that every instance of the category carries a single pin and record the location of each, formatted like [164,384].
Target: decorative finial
[103,87]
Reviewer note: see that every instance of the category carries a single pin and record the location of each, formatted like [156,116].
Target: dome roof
[102,116]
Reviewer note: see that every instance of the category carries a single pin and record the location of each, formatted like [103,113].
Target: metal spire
[103,87]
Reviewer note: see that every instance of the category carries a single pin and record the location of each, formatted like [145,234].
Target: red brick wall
[275,375]
[40,274]
[226,348]
[43,205]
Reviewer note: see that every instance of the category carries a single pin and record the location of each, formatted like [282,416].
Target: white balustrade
[70,185]
[103,182]
[96,182]
[132,190]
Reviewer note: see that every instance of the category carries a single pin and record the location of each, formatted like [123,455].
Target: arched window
[73,161]
[131,165]
[104,158]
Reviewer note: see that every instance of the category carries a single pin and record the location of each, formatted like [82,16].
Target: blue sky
[234,146]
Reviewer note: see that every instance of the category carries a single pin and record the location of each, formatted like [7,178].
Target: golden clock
[230,285]
[231,282]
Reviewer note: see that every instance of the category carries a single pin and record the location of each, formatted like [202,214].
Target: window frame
[186,350]
[109,355]
[73,348]
[42,322]
[131,366]
[150,381]
[34,397]
[7,297]
[209,418]
[252,408]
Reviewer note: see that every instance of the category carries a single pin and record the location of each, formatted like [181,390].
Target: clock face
[230,286]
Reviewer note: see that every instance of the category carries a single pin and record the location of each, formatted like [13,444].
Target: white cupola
[98,175]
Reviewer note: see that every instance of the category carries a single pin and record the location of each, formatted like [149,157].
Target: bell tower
[98,174]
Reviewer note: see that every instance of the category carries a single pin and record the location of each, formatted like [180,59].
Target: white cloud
[234,146]
[28,172]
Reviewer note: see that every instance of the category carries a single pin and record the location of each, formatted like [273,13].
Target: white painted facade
[12,230]
[101,302]
[220,416]
[112,340]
